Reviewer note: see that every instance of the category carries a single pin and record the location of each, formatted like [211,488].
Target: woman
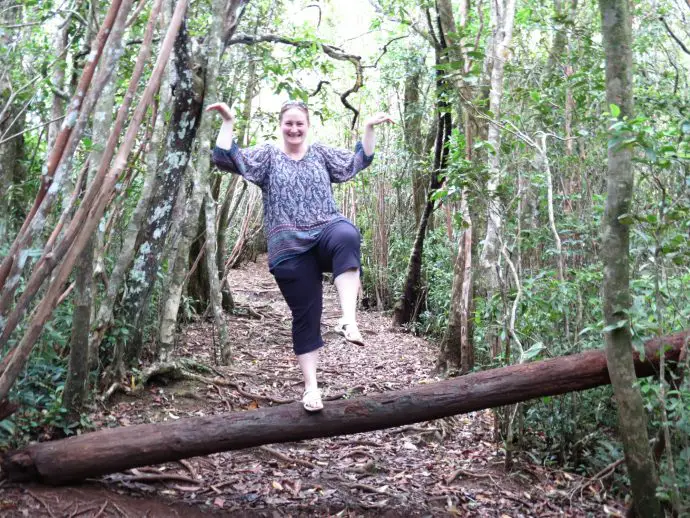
[306,233]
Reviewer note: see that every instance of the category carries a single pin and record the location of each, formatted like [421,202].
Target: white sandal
[311,400]
[350,332]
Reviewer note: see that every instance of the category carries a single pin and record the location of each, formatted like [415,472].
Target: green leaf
[618,325]
[476,54]
[8,426]
[532,352]
[626,219]
[614,110]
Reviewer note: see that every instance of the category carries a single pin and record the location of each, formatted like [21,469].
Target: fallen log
[117,449]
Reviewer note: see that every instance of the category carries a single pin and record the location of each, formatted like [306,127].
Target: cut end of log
[23,467]
[7,408]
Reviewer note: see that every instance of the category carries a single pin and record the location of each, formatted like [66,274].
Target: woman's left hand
[377,119]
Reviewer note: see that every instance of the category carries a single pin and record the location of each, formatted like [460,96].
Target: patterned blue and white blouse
[297,194]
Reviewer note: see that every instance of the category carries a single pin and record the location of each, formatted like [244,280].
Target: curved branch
[318,24]
[318,87]
[677,40]
[432,33]
[329,50]
[385,49]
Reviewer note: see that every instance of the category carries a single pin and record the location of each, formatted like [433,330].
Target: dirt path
[448,467]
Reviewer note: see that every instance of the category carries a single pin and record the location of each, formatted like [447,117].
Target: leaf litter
[447,467]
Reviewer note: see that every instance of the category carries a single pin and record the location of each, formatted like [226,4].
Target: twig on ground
[365,442]
[413,428]
[368,467]
[118,509]
[251,313]
[189,467]
[100,511]
[365,487]
[357,451]
[151,477]
[222,398]
[601,475]
[516,499]
[42,502]
[465,473]
[286,458]
[607,471]
[253,395]
[77,511]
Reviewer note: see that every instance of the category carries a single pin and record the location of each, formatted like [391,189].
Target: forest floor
[448,467]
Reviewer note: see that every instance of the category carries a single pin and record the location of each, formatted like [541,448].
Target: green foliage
[39,395]
[438,258]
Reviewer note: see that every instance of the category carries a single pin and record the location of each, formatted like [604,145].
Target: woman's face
[294,126]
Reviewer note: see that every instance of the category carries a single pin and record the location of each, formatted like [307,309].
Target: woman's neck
[295,151]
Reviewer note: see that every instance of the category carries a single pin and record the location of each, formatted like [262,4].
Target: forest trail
[448,467]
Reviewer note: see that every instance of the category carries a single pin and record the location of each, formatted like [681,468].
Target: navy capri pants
[300,280]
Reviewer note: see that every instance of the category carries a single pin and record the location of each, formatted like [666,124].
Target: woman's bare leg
[308,363]
[347,284]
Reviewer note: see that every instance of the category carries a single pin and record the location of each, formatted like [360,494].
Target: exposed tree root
[183,369]
[176,370]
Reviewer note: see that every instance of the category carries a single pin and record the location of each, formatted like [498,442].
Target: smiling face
[294,126]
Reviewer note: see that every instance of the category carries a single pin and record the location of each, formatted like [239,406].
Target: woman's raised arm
[369,138]
[226,133]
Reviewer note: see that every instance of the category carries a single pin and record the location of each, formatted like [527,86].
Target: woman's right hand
[223,110]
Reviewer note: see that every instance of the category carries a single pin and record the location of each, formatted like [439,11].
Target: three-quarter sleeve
[342,164]
[252,163]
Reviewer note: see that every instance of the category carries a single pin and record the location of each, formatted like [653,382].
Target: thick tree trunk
[173,295]
[58,80]
[457,348]
[11,153]
[616,27]
[224,219]
[199,285]
[181,132]
[414,143]
[503,15]
[214,50]
[12,172]
[404,310]
[122,448]
[76,383]
[222,349]
[83,357]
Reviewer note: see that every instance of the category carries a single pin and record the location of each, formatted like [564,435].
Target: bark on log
[117,449]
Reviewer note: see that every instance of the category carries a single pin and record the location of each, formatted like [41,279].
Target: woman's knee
[348,236]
